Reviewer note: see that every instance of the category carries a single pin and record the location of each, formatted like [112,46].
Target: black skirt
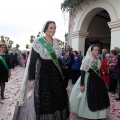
[49,100]
[50,94]
[97,95]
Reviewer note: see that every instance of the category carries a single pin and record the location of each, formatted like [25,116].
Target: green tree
[71,5]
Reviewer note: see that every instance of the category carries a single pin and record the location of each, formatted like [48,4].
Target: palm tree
[2,37]
[27,46]
[10,43]
[38,35]
[32,38]
[17,46]
[7,40]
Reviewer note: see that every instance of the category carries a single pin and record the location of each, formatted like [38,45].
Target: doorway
[99,32]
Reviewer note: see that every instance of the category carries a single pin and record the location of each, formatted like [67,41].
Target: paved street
[7,106]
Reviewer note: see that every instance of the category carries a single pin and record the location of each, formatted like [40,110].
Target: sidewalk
[7,106]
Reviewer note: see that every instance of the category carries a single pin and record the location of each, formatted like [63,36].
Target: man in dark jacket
[13,57]
[67,61]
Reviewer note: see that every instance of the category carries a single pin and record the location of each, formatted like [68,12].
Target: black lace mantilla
[97,96]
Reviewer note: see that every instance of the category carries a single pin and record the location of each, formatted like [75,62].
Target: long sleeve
[82,77]
[32,65]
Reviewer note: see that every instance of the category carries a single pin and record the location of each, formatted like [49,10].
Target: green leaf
[67,5]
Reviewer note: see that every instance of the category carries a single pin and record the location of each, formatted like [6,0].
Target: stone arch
[92,10]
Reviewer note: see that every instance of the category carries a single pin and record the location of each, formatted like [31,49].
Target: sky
[19,19]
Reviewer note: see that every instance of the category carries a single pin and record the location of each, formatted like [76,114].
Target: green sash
[95,68]
[50,50]
[4,62]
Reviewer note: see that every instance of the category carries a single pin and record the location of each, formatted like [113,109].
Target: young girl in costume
[89,98]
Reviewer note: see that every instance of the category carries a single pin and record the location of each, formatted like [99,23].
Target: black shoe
[117,98]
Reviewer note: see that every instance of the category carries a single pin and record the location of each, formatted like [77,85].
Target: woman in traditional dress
[105,70]
[4,68]
[48,99]
[89,98]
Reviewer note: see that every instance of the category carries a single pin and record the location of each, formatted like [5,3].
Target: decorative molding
[114,26]
[79,34]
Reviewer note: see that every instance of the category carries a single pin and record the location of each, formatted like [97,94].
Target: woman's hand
[82,88]
[31,84]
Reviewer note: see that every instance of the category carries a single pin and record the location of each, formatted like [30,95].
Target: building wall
[79,22]
[89,11]
[70,28]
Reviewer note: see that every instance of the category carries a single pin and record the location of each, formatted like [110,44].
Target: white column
[115,33]
[78,40]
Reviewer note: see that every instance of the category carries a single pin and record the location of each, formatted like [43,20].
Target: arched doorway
[99,32]
[83,21]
